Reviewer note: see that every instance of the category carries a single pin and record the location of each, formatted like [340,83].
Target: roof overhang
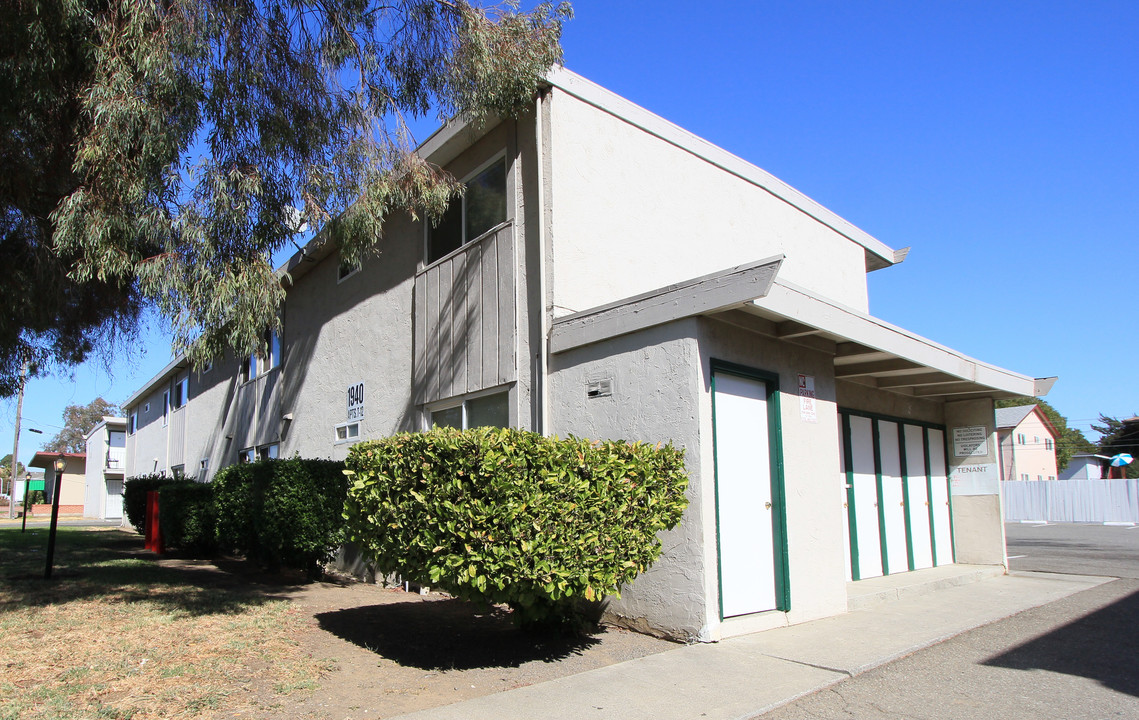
[44,459]
[866,350]
[172,368]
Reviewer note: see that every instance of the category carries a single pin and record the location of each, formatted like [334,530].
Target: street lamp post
[60,464]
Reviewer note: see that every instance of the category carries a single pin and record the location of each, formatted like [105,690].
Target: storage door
[917,491]
[114,507]
[892,499]
[939,499]
[866,540]
[745,502]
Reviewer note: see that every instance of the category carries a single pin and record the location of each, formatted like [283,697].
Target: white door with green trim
[939,499]
[745,504]
[917,488]
[867,537]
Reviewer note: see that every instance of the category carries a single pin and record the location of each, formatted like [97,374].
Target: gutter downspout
[542,360]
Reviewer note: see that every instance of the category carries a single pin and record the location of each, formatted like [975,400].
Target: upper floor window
[252,366]
[132,422]
[181,392]
[481,207]
[1020,438]
[165,407]
[1048,445]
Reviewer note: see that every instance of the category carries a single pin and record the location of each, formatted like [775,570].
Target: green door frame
[778,492]
[848,461]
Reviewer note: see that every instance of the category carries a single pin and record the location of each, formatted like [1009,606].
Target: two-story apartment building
[105,469]
[610,275]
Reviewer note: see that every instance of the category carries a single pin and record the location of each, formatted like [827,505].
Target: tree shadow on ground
[447,635]
[1102,646]
[112,565]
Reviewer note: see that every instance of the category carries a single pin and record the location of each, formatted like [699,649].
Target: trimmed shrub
[187,518]
[508,516]
[282,513]
[134,496]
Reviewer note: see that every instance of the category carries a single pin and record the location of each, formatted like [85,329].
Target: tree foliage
[157,152]
[1070,441]
[77,422]
[6,473]
[1119,436]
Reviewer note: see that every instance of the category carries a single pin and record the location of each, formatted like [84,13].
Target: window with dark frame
[481,207]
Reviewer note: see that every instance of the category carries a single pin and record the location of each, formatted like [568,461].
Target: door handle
[767,505]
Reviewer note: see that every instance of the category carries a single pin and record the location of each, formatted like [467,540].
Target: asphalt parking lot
[1076,658]
[1110,550]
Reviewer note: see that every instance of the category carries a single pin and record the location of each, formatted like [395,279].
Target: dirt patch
[120,632]
[396,652]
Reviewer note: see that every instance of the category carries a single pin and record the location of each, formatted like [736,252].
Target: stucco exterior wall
[95,491]
[624,200]
[146,446]
[813,488]
[655,398]
[978,521]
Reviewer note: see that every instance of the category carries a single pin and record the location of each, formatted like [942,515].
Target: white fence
[1089,501]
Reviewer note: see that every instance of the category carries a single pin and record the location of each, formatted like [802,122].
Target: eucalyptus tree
[155,153]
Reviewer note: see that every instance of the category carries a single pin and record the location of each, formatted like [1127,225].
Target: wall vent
[599,388]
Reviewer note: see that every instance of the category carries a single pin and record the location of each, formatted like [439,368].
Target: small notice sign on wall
[972,441]
[807,398]
[356,401]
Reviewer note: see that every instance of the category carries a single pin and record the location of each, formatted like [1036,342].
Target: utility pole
[16,446]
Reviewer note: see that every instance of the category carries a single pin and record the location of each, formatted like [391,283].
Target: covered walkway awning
[866,350]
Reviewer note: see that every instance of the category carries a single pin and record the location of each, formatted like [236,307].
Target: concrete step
[871,592]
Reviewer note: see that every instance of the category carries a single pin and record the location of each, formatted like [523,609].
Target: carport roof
[866,350]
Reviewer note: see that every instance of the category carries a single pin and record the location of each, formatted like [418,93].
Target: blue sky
[998,140]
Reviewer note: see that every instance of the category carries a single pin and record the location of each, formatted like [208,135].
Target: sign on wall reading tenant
[982,479]
[972,441]
[356,401]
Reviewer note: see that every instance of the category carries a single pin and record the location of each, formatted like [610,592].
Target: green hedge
[134,496]
[508,516]
[282,513]
[187,518]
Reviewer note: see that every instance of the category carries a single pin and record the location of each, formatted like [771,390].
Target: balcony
[116,461]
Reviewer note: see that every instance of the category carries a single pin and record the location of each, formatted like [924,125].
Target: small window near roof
[345,270]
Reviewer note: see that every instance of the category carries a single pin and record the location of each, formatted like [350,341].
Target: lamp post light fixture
[59,465]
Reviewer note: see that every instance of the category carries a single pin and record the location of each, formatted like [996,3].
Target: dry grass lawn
[115,634]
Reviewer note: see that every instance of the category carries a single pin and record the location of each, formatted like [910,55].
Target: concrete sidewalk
[745,676]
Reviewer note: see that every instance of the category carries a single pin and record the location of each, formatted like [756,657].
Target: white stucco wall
[632,213]
[146,447]
[812,484]
[656,398]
